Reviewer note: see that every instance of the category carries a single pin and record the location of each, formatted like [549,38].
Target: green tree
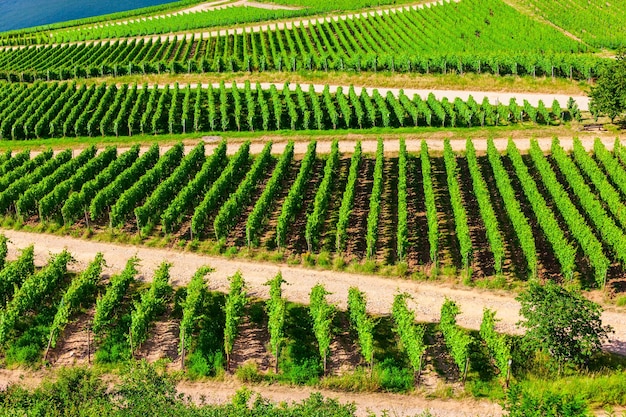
[608,96]
[561,322]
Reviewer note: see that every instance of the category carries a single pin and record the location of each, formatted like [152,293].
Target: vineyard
[170,17]
[199,134]
[47,110]
[226,16]
[597,23]
[119,316]
[558,216]
[502,41]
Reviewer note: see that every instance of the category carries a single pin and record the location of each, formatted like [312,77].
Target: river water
[18,14]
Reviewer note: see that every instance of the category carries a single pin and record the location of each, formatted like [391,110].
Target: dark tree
[562,323]
[608,96]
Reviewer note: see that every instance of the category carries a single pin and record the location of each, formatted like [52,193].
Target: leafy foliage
[236,301]
[196,292]
[457,341]
[411,335]
[107,305]
[494,235]
[322,314]
[362,323]
[431,208]
[561,322]
[460,215]
[275,308]
[315,219]
[374,208]
[347,200]
[15,273]
[32,292]
[496,343]
[608,96]
[295,197]
[260,212]
[82,287]
[151,304]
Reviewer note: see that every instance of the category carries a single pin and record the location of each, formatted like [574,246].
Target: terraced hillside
[479,36]
[557,216]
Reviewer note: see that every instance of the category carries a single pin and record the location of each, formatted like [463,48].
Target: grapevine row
[315,219]
[167,190]
[494,235]
[261,209]
[126,110]
[605,225]
[347,200]
[563,250]
[220,189]
[576,223]
[191,193]
[293,202]
[460,215]
[511,204]
[375,197]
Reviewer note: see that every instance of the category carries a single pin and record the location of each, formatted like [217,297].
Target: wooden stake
[182,354]
[89,345]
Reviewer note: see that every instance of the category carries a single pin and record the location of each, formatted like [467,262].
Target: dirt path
[221,392]
[366,403]
[369,146]
[380,290]
[493,96]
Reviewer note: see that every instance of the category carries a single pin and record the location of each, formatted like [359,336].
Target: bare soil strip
[380,290]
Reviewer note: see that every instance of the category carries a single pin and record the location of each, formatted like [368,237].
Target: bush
[248,373]
[199,365]
[306,372]
[523,403]
[393,377]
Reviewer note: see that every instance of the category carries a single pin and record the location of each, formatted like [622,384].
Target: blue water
[18,14]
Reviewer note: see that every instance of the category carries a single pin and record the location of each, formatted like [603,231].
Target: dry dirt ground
[220,392]
[428,297]
[392,146]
